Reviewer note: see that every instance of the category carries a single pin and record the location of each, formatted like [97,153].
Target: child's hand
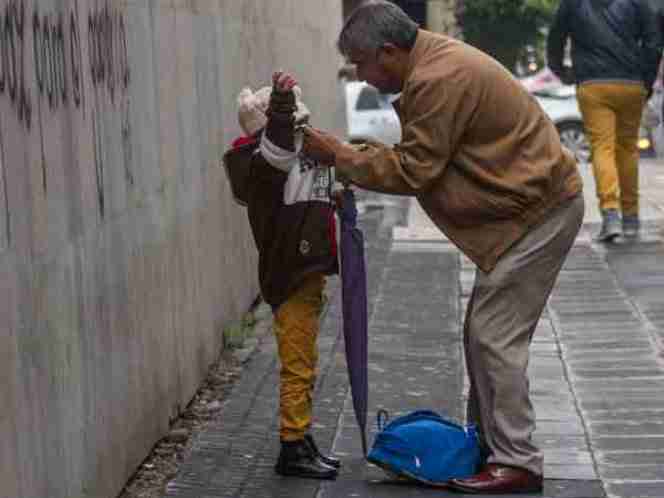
[283,81]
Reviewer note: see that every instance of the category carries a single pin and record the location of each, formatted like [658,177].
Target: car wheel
[573,136]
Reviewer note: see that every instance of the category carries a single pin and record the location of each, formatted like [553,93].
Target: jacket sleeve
[428,130]
[651,42]
[280,128]
[557,38]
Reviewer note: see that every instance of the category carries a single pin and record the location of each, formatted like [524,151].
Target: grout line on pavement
[557,329]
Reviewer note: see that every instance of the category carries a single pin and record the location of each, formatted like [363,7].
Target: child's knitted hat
[253,105]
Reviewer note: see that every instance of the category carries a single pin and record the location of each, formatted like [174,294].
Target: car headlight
[644,143]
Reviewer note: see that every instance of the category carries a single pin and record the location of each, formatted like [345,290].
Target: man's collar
[422,42]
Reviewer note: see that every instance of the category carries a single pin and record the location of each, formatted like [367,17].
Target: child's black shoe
[298,460]
[326,459]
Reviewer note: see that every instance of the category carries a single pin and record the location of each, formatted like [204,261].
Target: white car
[560,104]
[370,115]
[542,80]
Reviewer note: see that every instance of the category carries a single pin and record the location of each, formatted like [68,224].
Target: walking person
[487,166]
[615,54]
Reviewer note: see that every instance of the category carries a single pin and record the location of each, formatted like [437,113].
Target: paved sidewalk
[597,370]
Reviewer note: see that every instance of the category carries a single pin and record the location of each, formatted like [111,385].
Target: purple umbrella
[354,309]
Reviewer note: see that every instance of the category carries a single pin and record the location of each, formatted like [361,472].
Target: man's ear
[388,53]
[392,57]
[390,48]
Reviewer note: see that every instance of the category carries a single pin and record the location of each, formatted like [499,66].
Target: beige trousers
[502,314]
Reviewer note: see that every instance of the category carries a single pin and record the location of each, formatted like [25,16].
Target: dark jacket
[612,40]
[293,240]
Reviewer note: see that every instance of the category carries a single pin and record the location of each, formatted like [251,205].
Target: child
[290,209]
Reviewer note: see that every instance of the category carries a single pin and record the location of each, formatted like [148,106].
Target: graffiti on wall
[55,38]
[110,76]
[109,65]
[47,56]
[12,59]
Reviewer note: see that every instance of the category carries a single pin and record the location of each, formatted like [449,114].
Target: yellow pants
[296,326]
[612,116]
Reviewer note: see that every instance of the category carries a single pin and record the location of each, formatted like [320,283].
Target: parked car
[653,119]
[559,103]
[370,115]
[542,80]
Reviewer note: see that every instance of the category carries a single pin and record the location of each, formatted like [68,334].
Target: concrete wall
[122,254]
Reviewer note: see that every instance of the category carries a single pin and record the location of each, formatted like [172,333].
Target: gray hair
[374,24]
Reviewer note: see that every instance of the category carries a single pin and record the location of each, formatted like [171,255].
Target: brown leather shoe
[499,479]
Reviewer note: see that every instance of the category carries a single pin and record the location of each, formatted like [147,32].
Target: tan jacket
[477,151]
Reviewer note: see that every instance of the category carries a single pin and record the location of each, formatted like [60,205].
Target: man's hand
[320,145]
[283,81]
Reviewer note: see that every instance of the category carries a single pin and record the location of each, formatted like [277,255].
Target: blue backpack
[425,447]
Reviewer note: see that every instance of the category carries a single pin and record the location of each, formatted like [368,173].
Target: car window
[368,99]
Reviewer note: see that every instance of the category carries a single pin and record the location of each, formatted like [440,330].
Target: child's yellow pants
[296,326]
[612,116]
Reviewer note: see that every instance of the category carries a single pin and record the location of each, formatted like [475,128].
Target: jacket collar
[422,43]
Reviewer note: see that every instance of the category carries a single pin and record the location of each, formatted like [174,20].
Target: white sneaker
[611,227]
[631,225]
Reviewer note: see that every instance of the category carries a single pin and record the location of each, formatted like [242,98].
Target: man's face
[375,69]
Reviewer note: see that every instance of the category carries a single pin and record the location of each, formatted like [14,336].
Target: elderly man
[487,166]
